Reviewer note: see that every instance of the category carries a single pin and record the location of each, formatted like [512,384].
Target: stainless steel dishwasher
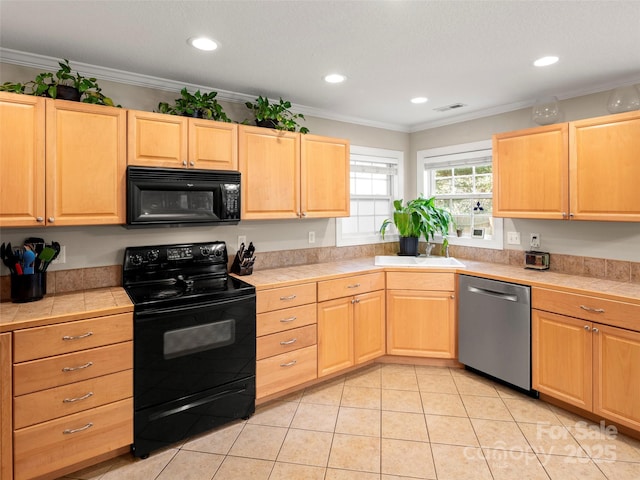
[494,329]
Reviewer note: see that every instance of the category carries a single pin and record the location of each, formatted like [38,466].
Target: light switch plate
[242,239]
[513,238]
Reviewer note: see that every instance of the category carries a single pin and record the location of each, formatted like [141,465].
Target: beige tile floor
[389,422]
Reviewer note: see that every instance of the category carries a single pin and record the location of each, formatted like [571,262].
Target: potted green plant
[419,217]
[276,115]
[199,105]
[63,84]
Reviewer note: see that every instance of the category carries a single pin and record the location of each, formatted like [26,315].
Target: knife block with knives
[244,260]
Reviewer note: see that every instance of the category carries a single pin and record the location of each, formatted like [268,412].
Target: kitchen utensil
[28,261]
[45,257]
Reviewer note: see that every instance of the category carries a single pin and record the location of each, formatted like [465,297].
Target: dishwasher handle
[492,293]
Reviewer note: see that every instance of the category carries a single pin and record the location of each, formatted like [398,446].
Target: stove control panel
[153,257]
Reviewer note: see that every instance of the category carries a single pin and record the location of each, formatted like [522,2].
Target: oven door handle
[146,314]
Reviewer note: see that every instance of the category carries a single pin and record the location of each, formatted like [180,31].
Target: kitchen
[98,250]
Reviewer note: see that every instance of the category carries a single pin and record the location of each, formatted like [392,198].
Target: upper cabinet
[160,140]
[22,161]
[582,170]
[289,175]
[62,163]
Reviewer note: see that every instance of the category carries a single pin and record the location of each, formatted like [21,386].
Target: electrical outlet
[312,237]
[242,239]
[535,240]
[513,238]
[62,256]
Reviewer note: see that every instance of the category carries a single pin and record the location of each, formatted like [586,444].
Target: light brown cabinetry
[421,314]
[581,170]
[22,160]
[286,348]
[594,365]
[351,321]
[6,413]
[171,141]
[80,150]
[289,175]
[72,395]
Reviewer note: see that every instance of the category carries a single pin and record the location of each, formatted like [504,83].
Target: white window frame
[386,156]
[432,157]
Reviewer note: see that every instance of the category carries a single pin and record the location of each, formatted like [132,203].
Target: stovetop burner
[174,275]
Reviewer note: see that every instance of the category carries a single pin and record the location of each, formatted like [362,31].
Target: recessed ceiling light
[545,61]
[334,78]
[419,100]
[203,43]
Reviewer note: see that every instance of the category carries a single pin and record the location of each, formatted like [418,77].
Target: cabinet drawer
[57,402]
[272,322]
[286,341]
[285,371]
[285,297]
[344,287]
[421,281]
[41,342]
[45,447]
[610,312]
[72,367]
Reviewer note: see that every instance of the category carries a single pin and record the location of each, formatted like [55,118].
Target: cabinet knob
[564,214]
[51,219]
[184,162]
[595,330]
[192,164]
[571,215]
[302,215]
[452,297]
[39,219]
[587,328]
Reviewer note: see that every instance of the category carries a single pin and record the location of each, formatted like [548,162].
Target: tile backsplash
[62,281]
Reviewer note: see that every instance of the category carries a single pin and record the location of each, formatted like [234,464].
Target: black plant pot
[267,123]
[408,246]
[64,92]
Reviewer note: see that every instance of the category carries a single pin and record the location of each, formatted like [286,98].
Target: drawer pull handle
[69,431]
[287,320]
[355,285]
[290,364]
[289,342]
[71,369]
[78,337]
[84,397]
[290,297]
[594,310]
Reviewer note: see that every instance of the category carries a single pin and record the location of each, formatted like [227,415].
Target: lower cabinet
[590,364]
[6,415]
[72,393]
[421,314]
[351,322]
[286,348]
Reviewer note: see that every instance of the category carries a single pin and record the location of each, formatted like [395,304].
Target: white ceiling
[479,53]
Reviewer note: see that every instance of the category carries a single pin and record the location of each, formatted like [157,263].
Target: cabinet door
[86,164]
[562,357]
[335,335]
[421,324]
[22,164]
[617,375]
[6,414]
[604,168]
[157,140]
[269,162]
[530,173]
[213,145]
[324,177]
[369,326]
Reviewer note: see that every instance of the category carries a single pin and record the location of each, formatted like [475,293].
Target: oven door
[182,351]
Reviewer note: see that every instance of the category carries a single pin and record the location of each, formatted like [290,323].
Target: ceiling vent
[453,106]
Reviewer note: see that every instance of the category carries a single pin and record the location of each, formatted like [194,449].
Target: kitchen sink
[420,262]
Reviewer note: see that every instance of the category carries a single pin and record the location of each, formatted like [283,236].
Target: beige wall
[95,246]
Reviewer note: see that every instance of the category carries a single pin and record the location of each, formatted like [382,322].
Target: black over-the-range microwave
[174,197]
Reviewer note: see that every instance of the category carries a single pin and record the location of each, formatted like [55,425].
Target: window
[460,177]
[375,182]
